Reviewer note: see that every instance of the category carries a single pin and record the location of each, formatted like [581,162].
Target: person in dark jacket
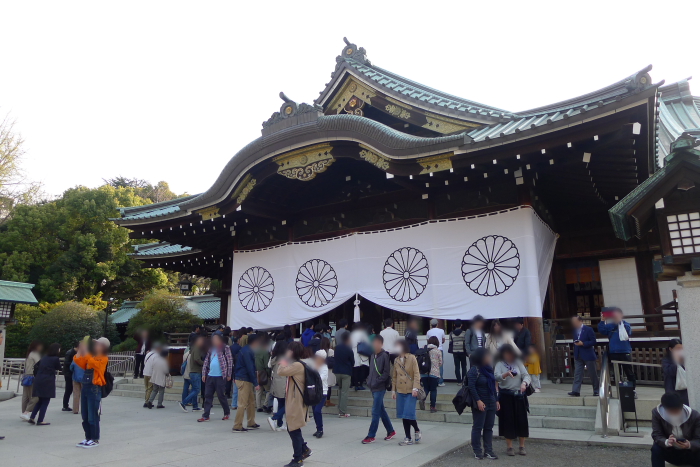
[475,338]
[216,370]
[68,379]
[584,355]
[308,334]
[522,338]
[44,386]
[675,429]
[143,346]
[673,364]
[619,349]
[233,391]
[344,363]
[411,335]
[315,342]
[247,383]
[482,387]
[378,380]
[458,349]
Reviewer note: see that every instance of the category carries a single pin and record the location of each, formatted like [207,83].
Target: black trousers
[628,369]
[359,375]
[215,384]
[69,390]
[460,359]
[138,365]
[298,443]
[660,455]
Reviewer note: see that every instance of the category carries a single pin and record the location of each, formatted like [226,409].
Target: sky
[169,90]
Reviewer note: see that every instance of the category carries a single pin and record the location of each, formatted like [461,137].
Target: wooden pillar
[225,295]
[648,289]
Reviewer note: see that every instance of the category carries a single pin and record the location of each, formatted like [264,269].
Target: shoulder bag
[422,395]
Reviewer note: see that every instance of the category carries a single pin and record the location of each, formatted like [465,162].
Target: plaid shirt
[226,364]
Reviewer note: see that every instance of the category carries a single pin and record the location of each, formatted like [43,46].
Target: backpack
[313,389]
[424,363]
[109,384]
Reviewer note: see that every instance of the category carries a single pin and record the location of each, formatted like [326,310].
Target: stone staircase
[546,410]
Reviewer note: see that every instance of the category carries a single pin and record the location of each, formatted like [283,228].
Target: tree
[162,312]
[18,339]
[69,323]
[154,193]
[71,249]
[14,187]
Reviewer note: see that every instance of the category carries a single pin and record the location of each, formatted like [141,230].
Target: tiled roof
[209,309]
[153,210]
[125,313]
[678,111]
[16,292]
[161,249]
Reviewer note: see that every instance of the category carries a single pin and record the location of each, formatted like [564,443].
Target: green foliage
[69,323]
[162,312]
[18,340]
[69,246]
[129,344]
[154,193]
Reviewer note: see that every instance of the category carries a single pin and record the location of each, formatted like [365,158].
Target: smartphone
[576,341]
[681,440]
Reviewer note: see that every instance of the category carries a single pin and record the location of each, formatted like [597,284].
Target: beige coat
[495,344]
[160,371]
[297,413]
[279,383]
[402,381]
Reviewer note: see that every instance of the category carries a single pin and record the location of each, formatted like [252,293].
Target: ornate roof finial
[302,113]
[640,81]
[351,51]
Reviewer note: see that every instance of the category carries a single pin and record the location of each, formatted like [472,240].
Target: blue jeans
[186,384]
[379,412]
[234,396]
[483,421]
[90,399]
[318,416]
[279,415]
[193,394]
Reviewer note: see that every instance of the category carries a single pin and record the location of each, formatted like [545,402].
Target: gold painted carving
[446,125]
[397,111]
[209,213]
[245,191]
[375,159]
[436,163]
[350,89]
[304,164]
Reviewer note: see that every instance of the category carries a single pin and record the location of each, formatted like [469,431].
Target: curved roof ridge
[637,81]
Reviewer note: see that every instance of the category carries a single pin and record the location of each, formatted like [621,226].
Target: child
[322,368]
[533,367]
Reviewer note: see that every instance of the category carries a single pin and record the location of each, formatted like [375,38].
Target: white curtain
[496,265]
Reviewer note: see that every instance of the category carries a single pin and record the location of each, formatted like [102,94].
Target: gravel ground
[552,455]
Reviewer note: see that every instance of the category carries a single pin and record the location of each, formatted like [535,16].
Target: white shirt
[390,336]
[479,337]
[437,332]
[323,372]
[149,361]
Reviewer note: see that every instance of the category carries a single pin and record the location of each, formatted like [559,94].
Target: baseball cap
[433,322]
[104,341]
[321,353]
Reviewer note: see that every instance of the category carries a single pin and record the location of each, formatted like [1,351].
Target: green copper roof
[679,110]
[125,313]
[16,292]
[161,249]
[207,307]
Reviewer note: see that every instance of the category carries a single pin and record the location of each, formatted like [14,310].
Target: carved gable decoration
[209,213]
[436,163]
[304,164]
[375,159]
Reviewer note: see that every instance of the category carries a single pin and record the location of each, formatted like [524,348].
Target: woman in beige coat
[28,402]
[405,385]
[296,411]
[497,338]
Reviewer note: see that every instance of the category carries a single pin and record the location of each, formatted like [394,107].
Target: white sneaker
[441,385]
[91,444]
[272,423]
[281,428]
[81,444]
[25,417]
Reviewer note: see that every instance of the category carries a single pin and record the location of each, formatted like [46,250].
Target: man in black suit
[522,338]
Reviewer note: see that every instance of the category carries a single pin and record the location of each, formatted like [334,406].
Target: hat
[321,353]
[433,322]
[104,341]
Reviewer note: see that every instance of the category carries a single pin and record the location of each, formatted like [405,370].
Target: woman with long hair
[431,380]
[297,412]
[330,363]
[482,387]
[44,387]
[673,365]
[405,384]
[497,338]
[32,358]
[279,383]
[513,379]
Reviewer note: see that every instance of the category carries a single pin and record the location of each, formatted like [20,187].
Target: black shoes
[149,405]
[478,456]
[160,407]
[66,409]
[307,453]
[295,463]
[574,394]
[318,434]
[491,455]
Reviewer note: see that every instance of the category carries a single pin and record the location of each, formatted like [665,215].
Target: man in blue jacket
[246,380]
[584,355]
[308,334]
[618,349]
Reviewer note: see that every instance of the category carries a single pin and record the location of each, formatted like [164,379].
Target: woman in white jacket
[497,338]
[159,376]
[361,368]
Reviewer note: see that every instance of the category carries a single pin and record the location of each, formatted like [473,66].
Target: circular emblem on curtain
[256,289]
[491,265]
[316,283]
[405,274]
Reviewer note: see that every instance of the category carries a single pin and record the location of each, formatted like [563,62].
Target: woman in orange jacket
[95,366]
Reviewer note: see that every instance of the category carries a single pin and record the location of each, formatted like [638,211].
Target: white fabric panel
[621,287]
[495,265]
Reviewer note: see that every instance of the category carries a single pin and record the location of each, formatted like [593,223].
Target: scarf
[487,370]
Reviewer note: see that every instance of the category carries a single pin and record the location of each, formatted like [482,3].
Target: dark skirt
[512,418]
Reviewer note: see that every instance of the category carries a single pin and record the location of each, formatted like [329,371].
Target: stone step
[170,397]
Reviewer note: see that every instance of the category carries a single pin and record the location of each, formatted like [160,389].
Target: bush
[129,345]
[161,312]
[18,340]
[69,323]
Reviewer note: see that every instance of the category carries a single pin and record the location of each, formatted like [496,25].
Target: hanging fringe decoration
[356,315]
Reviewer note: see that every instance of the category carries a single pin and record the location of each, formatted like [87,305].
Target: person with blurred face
[378,380]
[619,347]
[33,357]
[44,387]
[675,380]
[584,355]
[482,387]
[217,369]
[95,366]
[676,433]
